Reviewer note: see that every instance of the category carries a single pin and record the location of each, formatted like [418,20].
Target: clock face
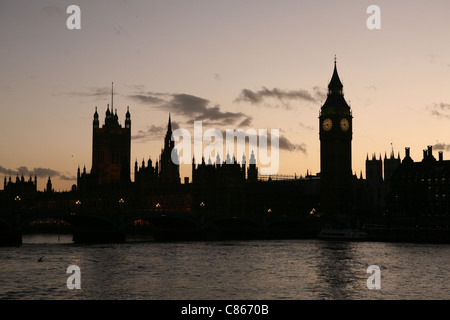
[344,124]
[327,124]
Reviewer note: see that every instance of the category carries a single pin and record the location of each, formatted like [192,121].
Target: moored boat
[333,233]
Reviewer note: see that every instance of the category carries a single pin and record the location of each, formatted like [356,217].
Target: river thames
[223,270]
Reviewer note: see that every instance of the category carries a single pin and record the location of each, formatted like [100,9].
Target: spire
[128,118]
[168,142]
[95,122]
[252,158]
[217,159]
[335,85]
[169,126]
[335,102]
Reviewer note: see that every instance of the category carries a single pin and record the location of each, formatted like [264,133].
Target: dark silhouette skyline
[408,191]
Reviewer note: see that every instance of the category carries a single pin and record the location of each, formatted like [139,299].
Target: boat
[334,233]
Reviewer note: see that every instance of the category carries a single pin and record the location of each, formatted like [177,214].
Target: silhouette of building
[421,189]
[157,187]
[111,152]
[336,151]
[19,193]
[378,175]
[375,188]
[166,171]
[252,171]
[390,165]
[49,188]
[169,171]
[219,188]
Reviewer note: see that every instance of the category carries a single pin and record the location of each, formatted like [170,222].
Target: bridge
[112,227]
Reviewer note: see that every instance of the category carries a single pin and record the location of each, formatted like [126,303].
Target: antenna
[112,94]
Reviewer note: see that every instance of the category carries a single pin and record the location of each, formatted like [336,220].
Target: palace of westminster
[393,187]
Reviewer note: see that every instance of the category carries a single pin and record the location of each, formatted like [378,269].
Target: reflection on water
[336,269]
[285,269]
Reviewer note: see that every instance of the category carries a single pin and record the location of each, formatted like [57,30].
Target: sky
[234,64]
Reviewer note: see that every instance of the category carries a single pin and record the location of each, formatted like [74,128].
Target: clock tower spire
[336,151]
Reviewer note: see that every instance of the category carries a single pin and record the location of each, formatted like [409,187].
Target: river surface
[223,270]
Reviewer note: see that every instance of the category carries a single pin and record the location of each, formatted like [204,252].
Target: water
[228,270]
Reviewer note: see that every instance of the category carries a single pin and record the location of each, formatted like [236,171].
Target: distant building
[421,189]
[165,173]
[375,187]
[219,188]
[49,188]
[378,184]
[390,165]
[19,193]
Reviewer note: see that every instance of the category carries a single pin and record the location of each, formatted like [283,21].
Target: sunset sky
[233,64]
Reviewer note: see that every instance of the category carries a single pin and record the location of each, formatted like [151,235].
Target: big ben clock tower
[335,151]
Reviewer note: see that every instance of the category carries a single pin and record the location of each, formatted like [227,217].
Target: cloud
[147,99]
[93,92]
[153,133]
[430,57]
[38,172]
[440,110]
[320,93]
[306,127]
[441,146]
[200,109]
[66,178]
[246,122]
[193,107]
[260,97]
[44,172]
[285,144]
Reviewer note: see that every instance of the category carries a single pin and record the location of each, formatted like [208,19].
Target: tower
[336,124]
[111,148]
[374,170]
[169,173]
[252,171]
[390,165]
